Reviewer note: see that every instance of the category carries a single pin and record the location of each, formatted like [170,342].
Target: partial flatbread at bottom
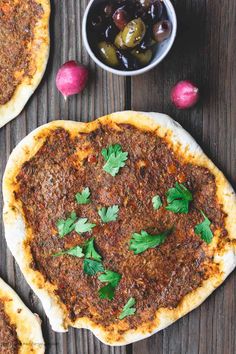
[15,227]
[27,324]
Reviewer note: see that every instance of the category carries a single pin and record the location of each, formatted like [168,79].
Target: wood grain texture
[204,51]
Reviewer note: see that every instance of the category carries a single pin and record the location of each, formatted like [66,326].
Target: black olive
[139,11]
[147,41]
[122,3]
[96,22]
[127,60]
[155,11]
[108,10]
[110,33]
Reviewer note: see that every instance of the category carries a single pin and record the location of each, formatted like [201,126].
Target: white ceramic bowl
[160,50]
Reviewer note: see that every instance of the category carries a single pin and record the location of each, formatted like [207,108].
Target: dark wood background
[205,52]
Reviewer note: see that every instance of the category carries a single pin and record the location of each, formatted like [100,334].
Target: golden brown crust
[28,325]
[40,50]
[185,146]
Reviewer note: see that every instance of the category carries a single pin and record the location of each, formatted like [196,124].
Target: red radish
[184,94]
[71,78]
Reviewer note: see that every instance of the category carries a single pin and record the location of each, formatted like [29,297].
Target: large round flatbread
[222,258]
[26,324]
[38,51]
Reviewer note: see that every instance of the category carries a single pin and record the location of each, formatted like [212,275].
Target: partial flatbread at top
[23,58]
[24,322]
[220,252]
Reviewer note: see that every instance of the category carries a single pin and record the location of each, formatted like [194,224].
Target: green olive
[108,53]
[143,57]
[119,41]
[133,32]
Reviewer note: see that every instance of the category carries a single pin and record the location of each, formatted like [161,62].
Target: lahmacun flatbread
[24,50]
[20,329]
[121,225]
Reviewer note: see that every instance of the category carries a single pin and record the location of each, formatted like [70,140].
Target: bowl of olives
[129,37]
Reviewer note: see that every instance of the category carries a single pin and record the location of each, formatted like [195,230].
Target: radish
[71,78]
[184,94]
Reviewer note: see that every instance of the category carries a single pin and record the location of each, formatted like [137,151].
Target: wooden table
[204,51]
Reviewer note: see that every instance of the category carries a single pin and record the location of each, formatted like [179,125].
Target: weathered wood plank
[205,53]
[104,94]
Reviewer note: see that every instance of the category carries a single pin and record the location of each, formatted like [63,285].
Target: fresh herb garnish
[112,149]
[203,229]
[76,251]
[128,309]
[115,159]
[113,279]
[178,199]
[110,277]
[82,225]
[90,251]
[143,241]
[83,197]
[94,265]
[107,292]
[156,202]
[91,267]
[109,214]
[66,226]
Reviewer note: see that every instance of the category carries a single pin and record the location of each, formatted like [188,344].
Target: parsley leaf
[75,251]
[83,197]
[115,159]
[109,214]
[203,229]
[110,277]
[107,292]
[106,153]
[91,267]
[90,251]
[128,309]
[141,242]
[82,225]
[113,279]
[66,226]
[178,199]
[156,202]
